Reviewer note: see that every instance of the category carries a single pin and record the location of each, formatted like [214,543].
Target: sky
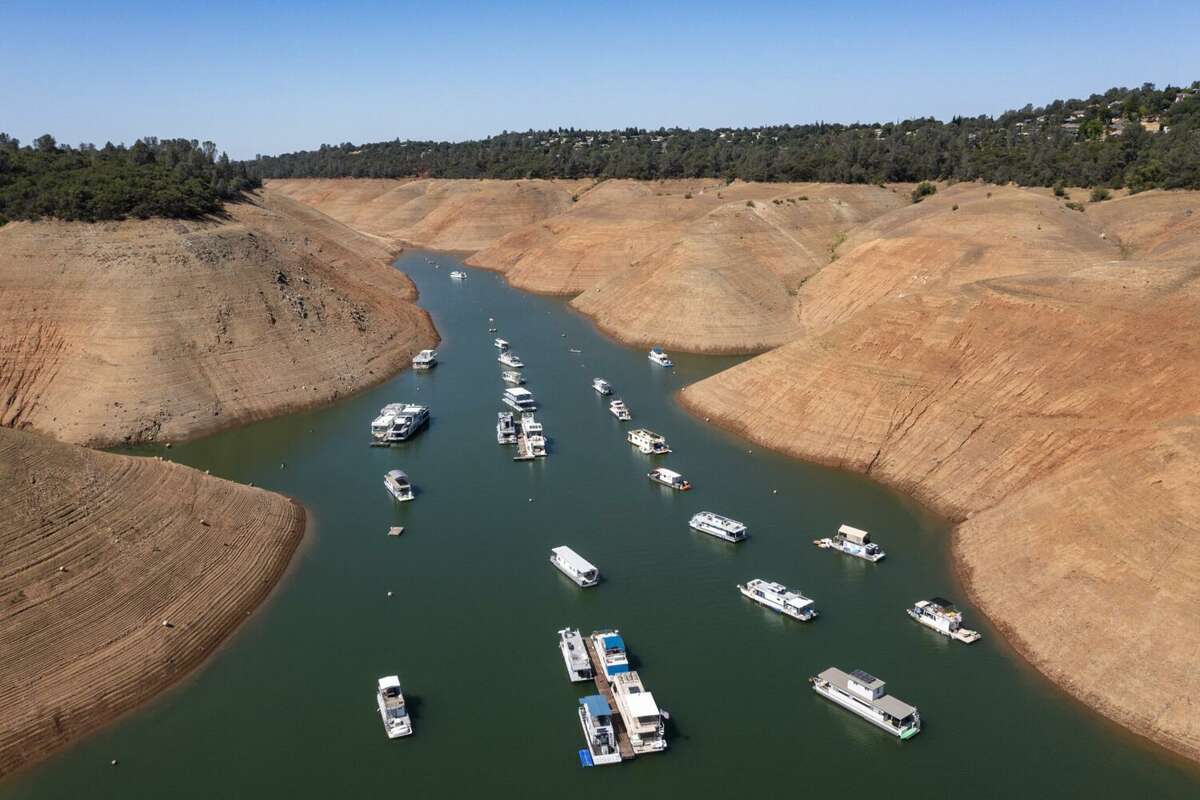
[270,77]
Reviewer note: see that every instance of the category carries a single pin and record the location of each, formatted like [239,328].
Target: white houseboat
[640,713]
[392,708]
[506,429]
[398,485]
[575,566]
[721,527]
[853,542]
[426,359]
[864,694]
[648,442]
[669,477]
[659,357]
[519,399]
[778,597]
[512,377]
[501,344]
[533,435]
[458,275]
[596,719]
[575,655]
[943,617]
[601,386]
[398,422]
[619,410]
[510,359]
[610,652]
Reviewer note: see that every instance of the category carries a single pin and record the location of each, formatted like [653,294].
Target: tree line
[1137,138]
[152,178]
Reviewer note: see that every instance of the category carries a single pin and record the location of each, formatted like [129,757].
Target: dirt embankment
[142,330]
[96,551]
[1032,372]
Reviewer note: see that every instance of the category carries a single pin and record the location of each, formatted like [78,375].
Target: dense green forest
[1140,138]
[153,178]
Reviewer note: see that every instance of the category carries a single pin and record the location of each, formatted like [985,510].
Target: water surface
[287,709]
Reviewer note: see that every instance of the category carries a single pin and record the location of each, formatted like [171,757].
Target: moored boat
[398,485]
[575,566]
[853,542]
[575,656]
[500,344]
[601,386]
[863,694]
[778,597]
[659,357]
[648,442]
[941,615]
[610,652]
[398,422]
[426,359]
[642,717]
[458,275]
[596,719]
[716,525]
[506,429]
[669,477]
[519,399]
[510,359]
[392,708]
[619,410]
[512,377]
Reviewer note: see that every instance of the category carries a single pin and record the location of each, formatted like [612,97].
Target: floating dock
[605,690]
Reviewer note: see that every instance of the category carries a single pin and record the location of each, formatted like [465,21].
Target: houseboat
[721,527]
[660,358]
[669,477]
[863,694]
[500,344]
[575,655]
[519,399]
[398,485]
[601,386]
[458,275]
[512,377]
[619,410]
[648,442]
[392,708]
[596,719]
[510,359]
[610,652]
[398,422]
[506,429]
[853,542]
[640,713]
[534,436]
[778,597]
[426,359]
[575,566]
[943,617]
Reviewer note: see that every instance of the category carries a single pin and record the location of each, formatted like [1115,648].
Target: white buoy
[166,623]
[113,762]
[389,594]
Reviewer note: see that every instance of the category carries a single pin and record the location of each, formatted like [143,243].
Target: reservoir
[287,707]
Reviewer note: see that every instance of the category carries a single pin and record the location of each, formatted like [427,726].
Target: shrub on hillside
[923,190]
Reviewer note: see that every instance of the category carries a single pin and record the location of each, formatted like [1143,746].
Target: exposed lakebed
[287,708]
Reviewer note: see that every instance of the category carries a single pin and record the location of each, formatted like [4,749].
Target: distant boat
[660,358]
[392,708]
[398,485]
[619,410]
[601,386]
[500,344]
[864,695]
[513,377]
[669,477]
[426,359]
[510,359]
[778,597]
[458,275]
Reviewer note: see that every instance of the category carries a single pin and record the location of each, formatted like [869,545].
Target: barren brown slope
[159,329]
[1055,408]
[463,215]
[96,551]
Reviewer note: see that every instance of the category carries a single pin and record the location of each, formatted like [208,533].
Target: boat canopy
[398,476]
[390,682]
[517,393]
[856,535]
[893,707]
[573,560]
[596,706]
[669,474]
[614,642]
[642,706]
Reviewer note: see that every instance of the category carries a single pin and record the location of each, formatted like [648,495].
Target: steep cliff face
[160,329]
[96,552]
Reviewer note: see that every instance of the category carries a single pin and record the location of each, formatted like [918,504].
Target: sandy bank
[165,329]
[96,550]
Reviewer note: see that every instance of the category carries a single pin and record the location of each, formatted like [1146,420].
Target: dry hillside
[96,551]
[161,329]
[1033,372]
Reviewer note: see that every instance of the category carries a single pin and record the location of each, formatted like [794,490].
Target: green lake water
[287,708]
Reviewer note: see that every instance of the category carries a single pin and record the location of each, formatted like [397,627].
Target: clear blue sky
[259,77]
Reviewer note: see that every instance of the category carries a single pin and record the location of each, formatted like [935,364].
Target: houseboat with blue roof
[611,653]
[599,732]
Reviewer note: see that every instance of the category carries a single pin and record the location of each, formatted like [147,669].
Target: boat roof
[851,529]
[390,682]
[897,708]
[655,349]
[614,642]
[573,559]
[887,704]
[641,704]
[596,705]
[943,602]
[517,391]
[866,678]
[426,353]
[398,475]
[667,473]
[645,432]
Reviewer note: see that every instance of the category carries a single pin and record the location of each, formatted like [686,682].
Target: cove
[287,707]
